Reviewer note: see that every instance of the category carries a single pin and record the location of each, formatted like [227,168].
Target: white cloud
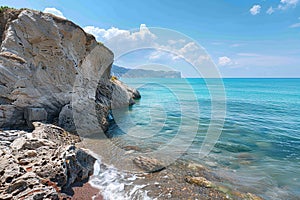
[255,9]
[122,42]
[55,12]
[224,61]
[285,4]
[296,25]
[104,35]
[270,11]
[172,42]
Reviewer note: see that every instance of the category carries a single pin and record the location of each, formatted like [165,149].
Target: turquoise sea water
[258,150]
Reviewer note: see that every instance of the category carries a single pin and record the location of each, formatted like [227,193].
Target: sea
[244,129]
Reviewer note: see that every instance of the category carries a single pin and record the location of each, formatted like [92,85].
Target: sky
[243,38]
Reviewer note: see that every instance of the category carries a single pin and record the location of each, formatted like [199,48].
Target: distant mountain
[143,73]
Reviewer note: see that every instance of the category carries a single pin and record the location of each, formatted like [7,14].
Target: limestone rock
[42,164]
[45,63]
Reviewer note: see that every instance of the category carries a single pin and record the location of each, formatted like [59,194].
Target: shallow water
[259,146]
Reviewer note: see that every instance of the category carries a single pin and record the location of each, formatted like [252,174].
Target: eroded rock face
[43,60]
[41,164]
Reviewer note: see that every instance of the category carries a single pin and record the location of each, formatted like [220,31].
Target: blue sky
[244,38]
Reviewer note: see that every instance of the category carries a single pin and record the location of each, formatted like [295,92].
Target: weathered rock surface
[150,165]
[43,61]
[41,164]
[201,181]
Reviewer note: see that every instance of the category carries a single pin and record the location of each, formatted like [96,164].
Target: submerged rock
[231,147]
[150,165]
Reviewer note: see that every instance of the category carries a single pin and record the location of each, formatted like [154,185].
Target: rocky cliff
[50,69]
[42,57]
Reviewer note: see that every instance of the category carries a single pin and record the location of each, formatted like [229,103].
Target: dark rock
[35,114]
[66,120]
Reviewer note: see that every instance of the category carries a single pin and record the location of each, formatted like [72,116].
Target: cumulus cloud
[166,48]
[255,10]
[270,11]
[285,4]
[104,35]
[296,25]
[224,61]
[55,12]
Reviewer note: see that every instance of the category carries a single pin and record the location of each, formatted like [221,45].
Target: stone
[19,143]
[149,165]
[201,181]
[31,153]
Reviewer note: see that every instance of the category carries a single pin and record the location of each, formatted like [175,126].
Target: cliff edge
[41,58]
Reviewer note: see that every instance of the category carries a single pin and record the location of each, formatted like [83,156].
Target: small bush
[113,78]
[3,8]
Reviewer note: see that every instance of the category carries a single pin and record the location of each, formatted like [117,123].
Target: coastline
[182,179]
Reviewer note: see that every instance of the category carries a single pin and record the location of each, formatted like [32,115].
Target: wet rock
[79,164]
[129,148]
[196,167]
[150,165]
[231,147]
[201,181]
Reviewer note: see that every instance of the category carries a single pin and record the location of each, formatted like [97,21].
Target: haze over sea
[259,148]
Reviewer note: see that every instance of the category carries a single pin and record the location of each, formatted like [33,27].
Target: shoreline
[182,179]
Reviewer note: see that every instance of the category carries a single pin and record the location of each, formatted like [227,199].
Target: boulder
[149,165]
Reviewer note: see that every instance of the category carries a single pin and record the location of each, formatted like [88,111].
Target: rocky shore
[48,65]
[188,180]
[43,164]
